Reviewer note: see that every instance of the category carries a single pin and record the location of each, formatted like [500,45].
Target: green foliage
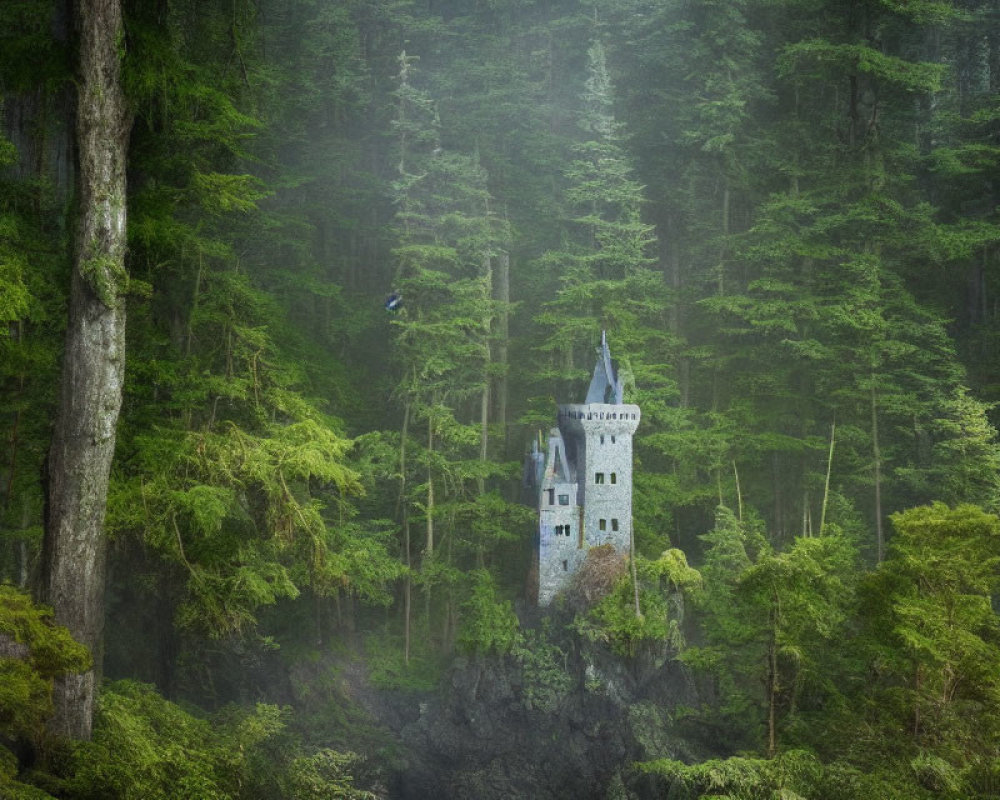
[547,680]
[325,775]
[800,229]
[147,747]
[792,776]
[489,625]
[663,585]
[33,651]
[932,628]
[390,669]
[892,70]
[771,618]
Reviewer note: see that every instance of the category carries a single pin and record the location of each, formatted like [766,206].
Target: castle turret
[586,493]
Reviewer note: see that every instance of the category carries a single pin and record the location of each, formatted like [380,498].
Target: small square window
[564,499]
[614,524]
[599,477]
[614,477]
[602,524]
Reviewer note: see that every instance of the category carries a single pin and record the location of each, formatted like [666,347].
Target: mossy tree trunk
[91,390]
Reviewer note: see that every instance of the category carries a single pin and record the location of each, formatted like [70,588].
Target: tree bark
[877,465]
[407,584]
[829,470]
[503,334]
[93,362]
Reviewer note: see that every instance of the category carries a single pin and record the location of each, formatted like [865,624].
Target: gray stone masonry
[585,490]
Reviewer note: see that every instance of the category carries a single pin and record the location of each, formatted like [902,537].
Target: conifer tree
[601,276]
[448,243]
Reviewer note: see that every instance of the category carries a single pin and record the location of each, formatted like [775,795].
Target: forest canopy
[339,263]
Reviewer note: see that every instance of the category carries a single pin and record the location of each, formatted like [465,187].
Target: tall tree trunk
[83,441]
[772,698]
[429,546]
[829,470]
[724,229]
[408,583]
[484,396]
[503,334]
[877,458]
[773,681]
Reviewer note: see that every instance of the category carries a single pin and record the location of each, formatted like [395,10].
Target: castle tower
[585,490]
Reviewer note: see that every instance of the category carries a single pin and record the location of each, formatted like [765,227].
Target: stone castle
[582,475]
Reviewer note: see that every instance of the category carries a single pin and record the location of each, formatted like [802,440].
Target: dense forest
[262,530]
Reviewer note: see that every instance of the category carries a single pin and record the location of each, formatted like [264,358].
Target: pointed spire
[605,378]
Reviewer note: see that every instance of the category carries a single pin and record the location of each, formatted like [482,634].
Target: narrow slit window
[614,524]
[614,477]
[565,566]
[602,438]
[612,439]
[598,477]
[552,497]
[569,532]
[602,524]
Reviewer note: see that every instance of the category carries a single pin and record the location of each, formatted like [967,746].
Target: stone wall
[586,489]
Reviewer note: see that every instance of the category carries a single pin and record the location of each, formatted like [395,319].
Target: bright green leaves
[771,620]
[663,586]
[237,512]
[221,194]
[794,775]
[15,297]
[234,473]
[489,624]
[33,651]
[147,747]
[941,637]
[325,774]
